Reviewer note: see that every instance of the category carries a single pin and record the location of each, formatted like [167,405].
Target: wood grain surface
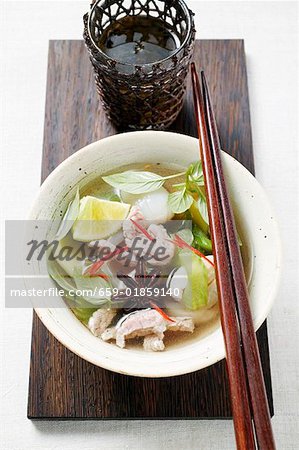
[62,385]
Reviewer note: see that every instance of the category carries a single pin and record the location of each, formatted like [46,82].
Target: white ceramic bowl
[254,214]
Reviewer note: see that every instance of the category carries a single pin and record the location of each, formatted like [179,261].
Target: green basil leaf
[203,208]
[138,182]
[135,182]
[179,201]
[190,169]
[195,173]
[69,217]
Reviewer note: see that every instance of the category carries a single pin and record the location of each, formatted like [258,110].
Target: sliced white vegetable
[153,206]
[122,319]
[131,198]
[176,282]
[178,278]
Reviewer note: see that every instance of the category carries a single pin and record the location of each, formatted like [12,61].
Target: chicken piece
[135,324]
[100,249]
[181,324]
[128,260]
[130,230]
[149,323]
[162,241]
[118,260]
[133,234]
[100,320]
[158,251]
[108,334]
[153,343]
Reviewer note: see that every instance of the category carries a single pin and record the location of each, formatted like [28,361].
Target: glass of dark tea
[140,51]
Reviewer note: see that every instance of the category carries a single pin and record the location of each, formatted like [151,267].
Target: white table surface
[271,41]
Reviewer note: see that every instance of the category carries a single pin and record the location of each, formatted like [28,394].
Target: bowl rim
[219,353]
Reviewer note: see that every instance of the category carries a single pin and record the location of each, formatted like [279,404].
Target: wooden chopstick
[247,388]
[258,397]
[234,357]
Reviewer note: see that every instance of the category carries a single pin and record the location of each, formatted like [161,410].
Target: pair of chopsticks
[247,389]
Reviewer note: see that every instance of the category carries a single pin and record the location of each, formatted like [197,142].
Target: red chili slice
[142,229]
[160,311]
[92,270]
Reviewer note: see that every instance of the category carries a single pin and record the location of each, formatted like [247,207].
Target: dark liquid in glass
[138,40]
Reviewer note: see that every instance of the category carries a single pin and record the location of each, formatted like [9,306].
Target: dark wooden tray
[62,385]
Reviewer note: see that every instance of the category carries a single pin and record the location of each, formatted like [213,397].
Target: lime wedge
[98,219]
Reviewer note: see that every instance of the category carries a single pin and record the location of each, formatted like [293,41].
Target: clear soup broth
[202,320]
